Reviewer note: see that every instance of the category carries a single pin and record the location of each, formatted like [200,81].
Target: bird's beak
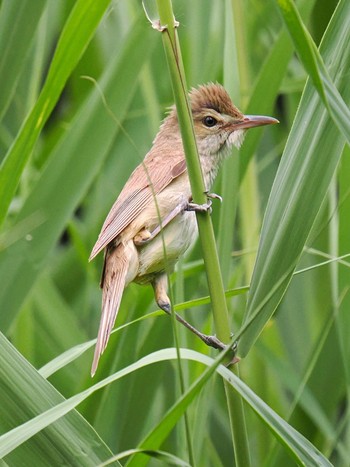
[251,121]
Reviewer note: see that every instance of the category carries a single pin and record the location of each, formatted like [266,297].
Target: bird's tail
[113,281]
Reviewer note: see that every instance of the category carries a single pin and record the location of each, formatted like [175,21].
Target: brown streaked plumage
[157,197]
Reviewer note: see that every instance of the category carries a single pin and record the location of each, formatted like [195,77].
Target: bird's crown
[213,96]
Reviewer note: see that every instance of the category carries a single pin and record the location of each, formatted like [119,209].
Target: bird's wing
[147,180]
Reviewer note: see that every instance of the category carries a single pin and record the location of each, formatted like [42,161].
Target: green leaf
[298,446]
[70,170]
[24,395]
[303,43]
[265,88]
[75,37]
[313,63]
[18,22]
[162,456]
[308,164]
[75,352]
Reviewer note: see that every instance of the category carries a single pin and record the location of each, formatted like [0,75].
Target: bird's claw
[206,207]
[214,342]
[213,196]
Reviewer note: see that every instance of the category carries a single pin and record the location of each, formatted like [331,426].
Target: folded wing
[147,180]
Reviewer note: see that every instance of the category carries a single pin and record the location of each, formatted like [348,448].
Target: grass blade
[90,135]
[301,449]
[314,65]
[25,394]
[308,164]
[75,37]
[18,22]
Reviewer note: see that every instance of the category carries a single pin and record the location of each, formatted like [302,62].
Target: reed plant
[84,88]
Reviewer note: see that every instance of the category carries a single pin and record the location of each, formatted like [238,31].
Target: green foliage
[84,89]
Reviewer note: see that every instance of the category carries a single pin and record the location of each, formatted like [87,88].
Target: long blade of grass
[17,23]
[73,165]
[75,37]
[267,84]
[24,395]
[314,65]
[307,166]
[162,456]
[300,448]
[75,352]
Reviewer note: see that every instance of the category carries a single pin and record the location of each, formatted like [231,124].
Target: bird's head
[218,123]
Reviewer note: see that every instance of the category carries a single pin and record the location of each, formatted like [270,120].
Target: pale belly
[162,252]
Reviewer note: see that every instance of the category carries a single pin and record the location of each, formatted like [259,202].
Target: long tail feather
[115,272]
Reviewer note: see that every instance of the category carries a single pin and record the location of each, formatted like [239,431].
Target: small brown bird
[157,199]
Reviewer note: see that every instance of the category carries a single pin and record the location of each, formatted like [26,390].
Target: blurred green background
[68,153]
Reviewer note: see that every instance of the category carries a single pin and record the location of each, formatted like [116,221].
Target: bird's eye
[209,121]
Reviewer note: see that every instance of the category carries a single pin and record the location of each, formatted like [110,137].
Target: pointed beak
[251,121]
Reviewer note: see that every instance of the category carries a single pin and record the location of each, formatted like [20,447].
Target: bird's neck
[210,166]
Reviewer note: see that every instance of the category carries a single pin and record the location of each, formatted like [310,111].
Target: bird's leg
[160,286]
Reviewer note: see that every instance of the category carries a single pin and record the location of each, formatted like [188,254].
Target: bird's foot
[164,305]
[206,207]
[213,196]
[213,341]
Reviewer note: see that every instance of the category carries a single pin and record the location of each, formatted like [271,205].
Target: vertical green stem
[217,293]
[174,59]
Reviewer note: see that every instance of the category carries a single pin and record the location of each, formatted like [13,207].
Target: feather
[138,193]
[118,266]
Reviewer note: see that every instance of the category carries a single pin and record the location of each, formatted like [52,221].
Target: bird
[155,207]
